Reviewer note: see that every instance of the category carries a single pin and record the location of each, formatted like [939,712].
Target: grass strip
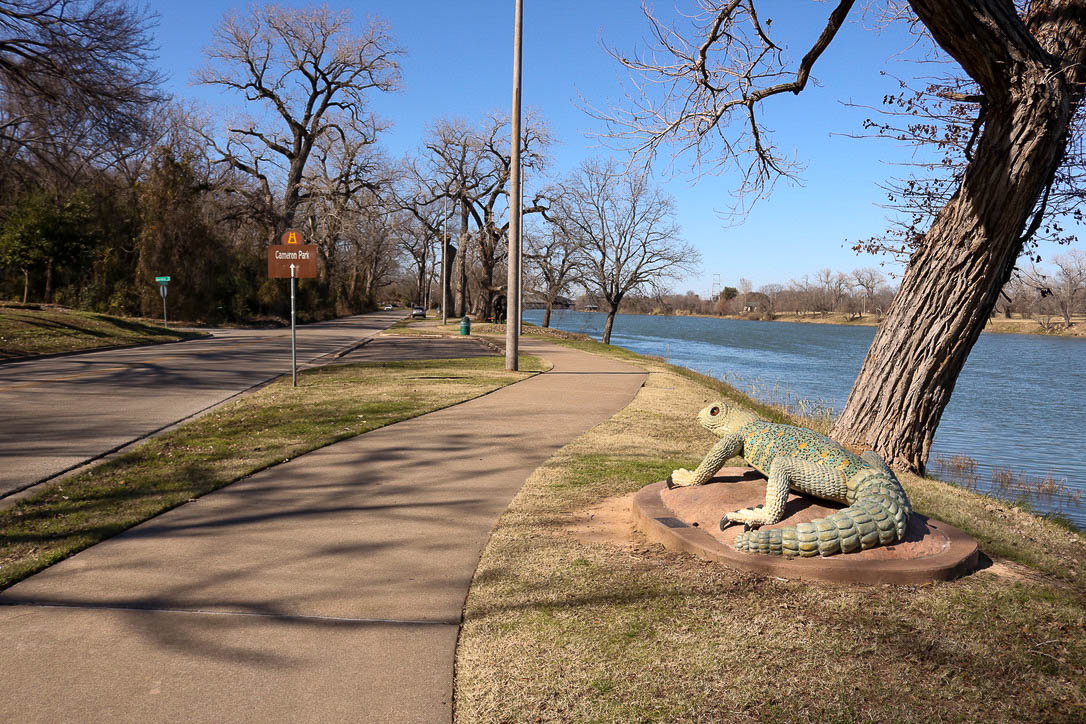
[269,426]
[32,330]
[561,630]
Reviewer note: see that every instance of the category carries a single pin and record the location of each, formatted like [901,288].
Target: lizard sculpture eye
[715,411]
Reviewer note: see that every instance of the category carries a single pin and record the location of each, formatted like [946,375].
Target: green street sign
[162,280]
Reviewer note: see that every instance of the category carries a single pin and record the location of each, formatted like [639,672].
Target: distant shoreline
[996,325]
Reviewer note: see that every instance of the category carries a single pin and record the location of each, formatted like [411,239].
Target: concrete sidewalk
[329,588]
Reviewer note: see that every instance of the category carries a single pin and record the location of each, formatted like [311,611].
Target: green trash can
[465,326]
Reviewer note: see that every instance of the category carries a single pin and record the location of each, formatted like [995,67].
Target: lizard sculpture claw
[727,522]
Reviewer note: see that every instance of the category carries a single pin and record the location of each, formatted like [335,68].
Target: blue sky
[458,63]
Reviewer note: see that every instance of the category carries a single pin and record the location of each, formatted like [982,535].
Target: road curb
[10,497]
[92,350]
[340,354]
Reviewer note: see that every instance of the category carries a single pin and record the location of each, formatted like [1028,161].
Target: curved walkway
[329,588]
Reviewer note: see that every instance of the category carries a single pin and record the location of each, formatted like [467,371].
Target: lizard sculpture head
[721,419]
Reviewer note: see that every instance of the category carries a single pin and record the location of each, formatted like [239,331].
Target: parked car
[387,307]
[418,312]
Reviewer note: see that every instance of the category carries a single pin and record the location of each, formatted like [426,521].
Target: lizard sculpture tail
[878,515]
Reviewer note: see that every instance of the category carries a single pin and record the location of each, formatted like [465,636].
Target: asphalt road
[56,414]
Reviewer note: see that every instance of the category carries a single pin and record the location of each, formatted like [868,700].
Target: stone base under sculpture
[687,519]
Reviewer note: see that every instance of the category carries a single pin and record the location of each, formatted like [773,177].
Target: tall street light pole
[520,258]
[444,266]
[512,319]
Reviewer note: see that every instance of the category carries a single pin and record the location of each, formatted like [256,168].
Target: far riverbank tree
[625,231]
[1064,286]
[553,260]
[1025,72]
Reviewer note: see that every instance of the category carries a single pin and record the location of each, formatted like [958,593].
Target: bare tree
[627,231]
[83,66]
[1063,287]
[772,293]
[1070,282]
[419,235]
[346,178]
[833,288]
[471,166]
[312,74]
[1028,69]
[373,253]
[448,169]
[804,294]
[555,258]
[869,280]
[1013,298]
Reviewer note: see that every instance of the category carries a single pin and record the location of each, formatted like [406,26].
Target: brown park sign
[292,260]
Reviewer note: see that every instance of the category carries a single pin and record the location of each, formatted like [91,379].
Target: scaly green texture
[795,458]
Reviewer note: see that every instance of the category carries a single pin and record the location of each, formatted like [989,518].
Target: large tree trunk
[431,277]
[461,264]
[547,314]
[26,284]
[486,266]
[953,280]
[420,286]
[611,312]
[48,299]
[449,260]
[486,304]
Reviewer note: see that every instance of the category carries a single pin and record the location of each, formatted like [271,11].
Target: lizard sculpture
[799,459]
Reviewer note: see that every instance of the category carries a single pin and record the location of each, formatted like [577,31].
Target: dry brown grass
[560,630]
[1047,325]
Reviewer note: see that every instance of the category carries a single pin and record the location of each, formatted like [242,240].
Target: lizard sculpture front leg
[727,447]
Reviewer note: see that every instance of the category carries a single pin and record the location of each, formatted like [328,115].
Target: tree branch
[733,66]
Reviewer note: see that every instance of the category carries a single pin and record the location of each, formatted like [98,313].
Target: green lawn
[31,330]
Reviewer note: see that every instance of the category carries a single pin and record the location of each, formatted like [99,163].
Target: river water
[1018,410]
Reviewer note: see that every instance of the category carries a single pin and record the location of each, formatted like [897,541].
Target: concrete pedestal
[687,519]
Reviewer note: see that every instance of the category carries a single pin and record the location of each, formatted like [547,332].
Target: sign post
[162,282]
[292,260]
[293,334]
